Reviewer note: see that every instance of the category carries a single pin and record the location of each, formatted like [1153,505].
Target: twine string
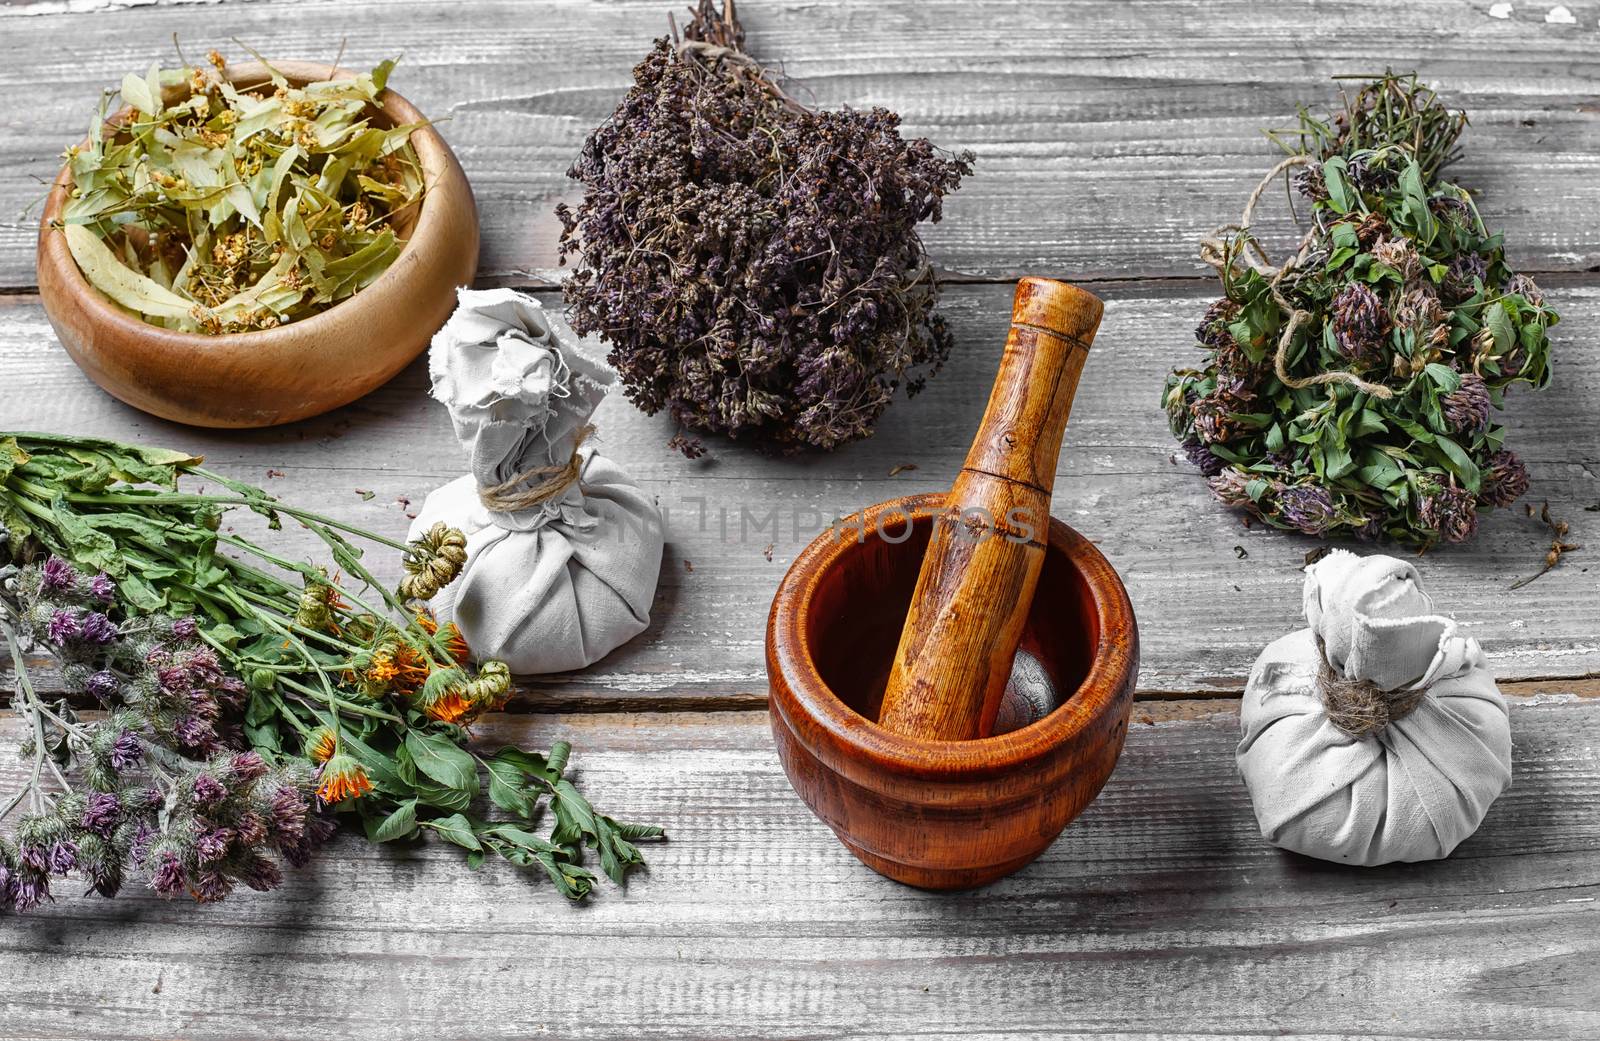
[536,486]
[1361,708]
[1215,252]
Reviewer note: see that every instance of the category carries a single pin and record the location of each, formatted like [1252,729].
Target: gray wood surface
[1110,137]
[1158,914]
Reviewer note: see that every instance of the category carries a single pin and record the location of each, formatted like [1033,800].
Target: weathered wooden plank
[1109,136]
[1203,611]
[1159,913]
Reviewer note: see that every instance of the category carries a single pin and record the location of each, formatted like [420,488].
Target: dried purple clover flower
[1447,509]
[1466,409]
[1307,508]
[1212,332]
[1202,457]
[1360,324]
[799,297]
[1231,487]
[1527,288]
[1463,275]
[1213,423]
[1505,479]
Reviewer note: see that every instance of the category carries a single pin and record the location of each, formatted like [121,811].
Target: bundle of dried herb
[753,263]
[248,694]
[213,209]
[1351,389]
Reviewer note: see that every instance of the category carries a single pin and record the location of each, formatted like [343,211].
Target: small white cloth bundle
[563,569]
[1376,735]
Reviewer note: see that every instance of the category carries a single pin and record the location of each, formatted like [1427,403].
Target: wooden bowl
[303,368]
[942,814]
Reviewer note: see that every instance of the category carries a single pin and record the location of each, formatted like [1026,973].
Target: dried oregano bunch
[753,263]
[1352,388]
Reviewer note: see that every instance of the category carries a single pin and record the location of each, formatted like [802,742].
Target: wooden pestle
[983,559]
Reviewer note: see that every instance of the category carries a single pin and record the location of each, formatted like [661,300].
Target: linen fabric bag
[1390,749]
[563,548]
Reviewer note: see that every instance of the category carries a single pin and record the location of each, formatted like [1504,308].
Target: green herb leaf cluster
[1352,389]
[349,675]
[210,208]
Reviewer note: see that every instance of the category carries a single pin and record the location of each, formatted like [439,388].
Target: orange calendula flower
[343,778]
[454,643]
[452,706]
[320,745]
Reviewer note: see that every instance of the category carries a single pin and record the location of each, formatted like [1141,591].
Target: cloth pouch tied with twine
[1377,734]
[563,548]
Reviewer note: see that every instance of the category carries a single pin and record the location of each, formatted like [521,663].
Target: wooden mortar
[935,812]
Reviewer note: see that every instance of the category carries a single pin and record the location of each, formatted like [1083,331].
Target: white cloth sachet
[1412,790]
[559,584]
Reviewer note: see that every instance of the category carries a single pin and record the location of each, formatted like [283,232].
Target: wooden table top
[1109,137]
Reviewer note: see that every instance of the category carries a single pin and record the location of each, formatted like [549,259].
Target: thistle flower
[1360,324]
[126,752]
[207,791]
[103,686]
[1447,509]
[57,576]
[1466,409]
[1505,479]
[342,778]
[97,629]
[64,626]
[1306,507]
[101,814]
[433,562]
[102,588]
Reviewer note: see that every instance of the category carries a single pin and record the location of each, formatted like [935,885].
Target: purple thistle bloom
[1307,507]
[63,626]
[104,686]
[1466,408]
[247,766]
[32,889]
[252,828]
[63,856]
[102,588]
[167,878]
[152,798]
[57,576]
[34,857]
[208,791]
[261,874]
[142,834]
[173,679]
[97,629]
[203,667]
[1448,510]
[212,845]
[101,814]
[1505,479]
[126,752]
[288,810]
[185,628]
[211,886]
[195,734]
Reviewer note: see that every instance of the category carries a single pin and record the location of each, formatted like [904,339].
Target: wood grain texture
[1204,611]
[1109,136]
[1158,914]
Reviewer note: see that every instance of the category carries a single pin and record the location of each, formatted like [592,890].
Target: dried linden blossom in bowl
[212,209]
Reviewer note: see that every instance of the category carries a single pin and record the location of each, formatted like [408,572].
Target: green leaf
[1498,322]
[1461,463]
[136,92]
[1340,193]
[443,760]
[380,73]
[455,828]
[506,788]
[402,823]
[129,288]
[1444,377]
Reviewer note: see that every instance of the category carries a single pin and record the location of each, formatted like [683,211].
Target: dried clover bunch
[238,681]
[1351,389]
[753,263]
[213,209]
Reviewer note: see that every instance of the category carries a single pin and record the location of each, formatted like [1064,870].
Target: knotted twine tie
[536,486]
[1361,708]
[1214,251]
